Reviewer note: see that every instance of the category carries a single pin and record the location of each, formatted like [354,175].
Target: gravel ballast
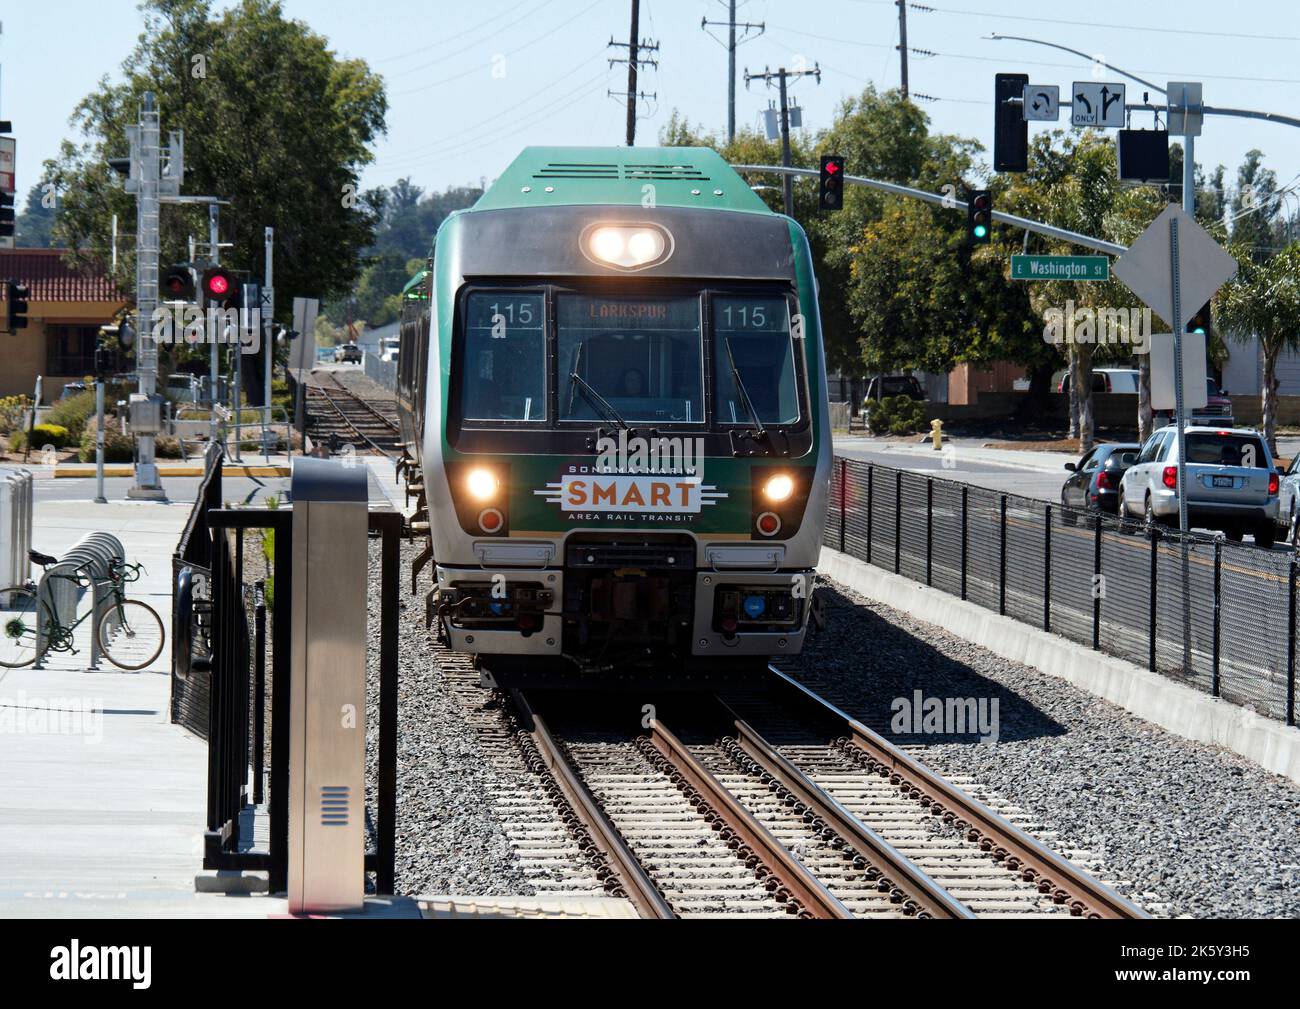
[1183,828]
[449,837]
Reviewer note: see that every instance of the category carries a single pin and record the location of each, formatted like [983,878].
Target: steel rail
[1021,853]
[369,407]
[347,421]
[900,876]
[639,888]
[789,878]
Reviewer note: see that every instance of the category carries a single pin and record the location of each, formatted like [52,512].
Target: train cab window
[753,334]
[637,357]
[503,365]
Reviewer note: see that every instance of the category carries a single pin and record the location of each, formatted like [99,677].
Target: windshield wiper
[745,401]
[598,401]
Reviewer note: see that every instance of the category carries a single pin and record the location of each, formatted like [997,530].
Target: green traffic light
[980,231]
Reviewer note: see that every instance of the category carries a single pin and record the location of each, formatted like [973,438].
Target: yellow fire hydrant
[936,434]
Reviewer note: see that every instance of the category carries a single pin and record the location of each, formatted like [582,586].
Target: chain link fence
[1216,615]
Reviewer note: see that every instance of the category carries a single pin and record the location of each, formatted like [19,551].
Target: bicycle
[129,632]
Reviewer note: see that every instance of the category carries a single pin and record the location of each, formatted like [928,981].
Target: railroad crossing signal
[979,216]
[15,305]
[221,287]
[830,193]
[180,283]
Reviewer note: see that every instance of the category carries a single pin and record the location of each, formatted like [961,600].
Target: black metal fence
[1216,615]
[233,672]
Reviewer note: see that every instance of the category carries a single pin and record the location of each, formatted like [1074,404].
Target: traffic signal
[830,194]
[1201,321]
[221,286]
[1010,131]
[180,283]
[979,216]
[6,215]
[15,305]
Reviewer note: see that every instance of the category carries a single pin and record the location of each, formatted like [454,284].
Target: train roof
[693,177]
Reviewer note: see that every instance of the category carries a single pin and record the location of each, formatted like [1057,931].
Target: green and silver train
[612,388]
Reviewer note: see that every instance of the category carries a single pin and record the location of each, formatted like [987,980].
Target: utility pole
[147,182]
[902,46]
[214,363]
[268,343]
[731,25]
[781,75]
[634,45]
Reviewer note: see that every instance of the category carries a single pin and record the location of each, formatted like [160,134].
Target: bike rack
[94,556]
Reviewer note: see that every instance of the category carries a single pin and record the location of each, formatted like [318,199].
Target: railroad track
[335,411]
[768,802]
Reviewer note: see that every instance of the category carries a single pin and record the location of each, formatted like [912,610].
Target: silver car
[1231,482]
[1288,502]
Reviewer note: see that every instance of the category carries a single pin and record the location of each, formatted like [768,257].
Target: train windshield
[504,362]
[634,358]
[751,338]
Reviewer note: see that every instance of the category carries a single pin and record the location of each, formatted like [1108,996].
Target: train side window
[503,360]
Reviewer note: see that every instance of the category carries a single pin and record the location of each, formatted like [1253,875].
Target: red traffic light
[219,284]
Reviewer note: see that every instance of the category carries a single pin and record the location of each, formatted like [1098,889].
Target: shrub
[42,435]
[167,448]
[73,412]
[118,447]
[12,411]
[897,415]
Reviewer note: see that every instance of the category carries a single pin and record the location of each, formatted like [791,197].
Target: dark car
[887,386]
[1093,483]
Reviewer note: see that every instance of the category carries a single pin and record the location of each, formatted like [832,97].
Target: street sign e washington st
[1030,267]
[1097,103]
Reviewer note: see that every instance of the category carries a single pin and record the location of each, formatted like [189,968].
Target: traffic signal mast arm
[920,194]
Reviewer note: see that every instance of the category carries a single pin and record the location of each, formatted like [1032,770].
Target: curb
[1174,706]
[173,471]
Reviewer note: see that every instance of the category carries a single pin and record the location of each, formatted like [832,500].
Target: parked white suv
[1232,484]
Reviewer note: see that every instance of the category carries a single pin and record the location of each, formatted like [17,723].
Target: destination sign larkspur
[1029,267]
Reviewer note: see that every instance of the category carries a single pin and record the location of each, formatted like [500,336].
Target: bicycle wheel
[130,634]
[21,613]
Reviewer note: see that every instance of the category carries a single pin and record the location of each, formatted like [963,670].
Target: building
[66,307]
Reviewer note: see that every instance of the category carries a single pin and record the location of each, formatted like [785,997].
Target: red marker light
[218,285]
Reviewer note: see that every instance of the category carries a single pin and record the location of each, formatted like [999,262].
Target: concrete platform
[101,798]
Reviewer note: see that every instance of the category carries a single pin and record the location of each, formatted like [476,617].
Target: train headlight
[627,247]
[778,488]
[482,484]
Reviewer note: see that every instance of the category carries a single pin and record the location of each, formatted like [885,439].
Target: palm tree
[1264,301]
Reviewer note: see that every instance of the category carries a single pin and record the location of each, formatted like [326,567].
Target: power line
[926,9]
[471,137]
[634,46]
[731,25]
[515,107]
[512,52]
[468,31]
[927,53]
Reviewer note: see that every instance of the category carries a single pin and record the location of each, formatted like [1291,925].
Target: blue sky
[471,83]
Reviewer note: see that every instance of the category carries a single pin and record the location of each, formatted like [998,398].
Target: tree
[36,223]
[274,121]
[1263,300]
